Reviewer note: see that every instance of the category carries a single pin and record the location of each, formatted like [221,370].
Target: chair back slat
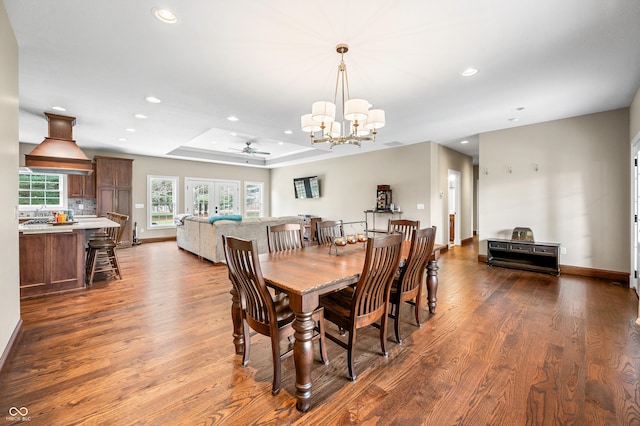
[404,227]
[372,290]
[412,274]
[328,230]
[287,236]
[245,274]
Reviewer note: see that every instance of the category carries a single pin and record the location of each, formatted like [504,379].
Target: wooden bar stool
[101,254]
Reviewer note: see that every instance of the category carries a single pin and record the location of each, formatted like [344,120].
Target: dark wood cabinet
[113,190]
[80,186]
[51,262]
[539,257]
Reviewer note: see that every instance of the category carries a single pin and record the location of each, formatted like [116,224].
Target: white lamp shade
[361,130]
[356,109]
[323,111]
[308,124]
[375,120]
[333,129]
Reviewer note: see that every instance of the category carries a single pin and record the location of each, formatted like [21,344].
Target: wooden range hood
[58,153]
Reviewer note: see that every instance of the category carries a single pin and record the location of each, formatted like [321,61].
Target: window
[163,199]
[253,199]
[40,191]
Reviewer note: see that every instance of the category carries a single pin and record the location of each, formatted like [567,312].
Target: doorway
[206,198]
[453,177]
[635,202]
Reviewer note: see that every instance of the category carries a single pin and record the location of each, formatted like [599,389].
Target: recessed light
[232,118]
[122,139]
[288,132]
[464,142]
[130,130]
[514,119]
[58,108]
[233,134]
[280,143]
[140,116]
[469,72]
[214,142]
[165,15]
[153,99]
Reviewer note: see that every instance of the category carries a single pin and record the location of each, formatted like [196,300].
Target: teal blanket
[225,217]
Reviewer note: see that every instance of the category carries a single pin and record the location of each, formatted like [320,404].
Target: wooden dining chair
[260,311]
[327,230]
[353,308]
[287,236]
[403,226]
[407,286]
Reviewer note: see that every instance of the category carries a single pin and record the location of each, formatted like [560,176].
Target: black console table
[539,257]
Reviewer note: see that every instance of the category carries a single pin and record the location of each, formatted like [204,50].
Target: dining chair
[287,236]
[353,308]
[101,251]
[327,230]
[403,226]
[260,311]
[407,286]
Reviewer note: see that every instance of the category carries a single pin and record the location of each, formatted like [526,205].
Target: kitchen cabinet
[113,190]
[51,262]
[80,186]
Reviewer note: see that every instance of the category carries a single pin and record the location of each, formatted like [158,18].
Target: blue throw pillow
[236,217]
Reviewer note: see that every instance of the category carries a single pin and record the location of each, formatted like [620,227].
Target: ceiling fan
[250,150]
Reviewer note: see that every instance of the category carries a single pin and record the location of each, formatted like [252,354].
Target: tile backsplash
[82,206]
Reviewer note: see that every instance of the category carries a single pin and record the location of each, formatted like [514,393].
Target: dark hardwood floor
[505,347]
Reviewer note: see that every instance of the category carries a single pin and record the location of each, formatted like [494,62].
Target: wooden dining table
[305,274]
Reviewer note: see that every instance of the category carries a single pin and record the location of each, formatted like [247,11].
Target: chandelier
[322,125]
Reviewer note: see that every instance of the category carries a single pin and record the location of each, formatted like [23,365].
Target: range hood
[58,153]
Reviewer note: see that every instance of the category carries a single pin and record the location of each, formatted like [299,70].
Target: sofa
[204,239]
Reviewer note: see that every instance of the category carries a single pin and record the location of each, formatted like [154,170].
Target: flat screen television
[307,187]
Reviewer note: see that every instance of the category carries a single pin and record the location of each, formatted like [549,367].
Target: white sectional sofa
[204,239]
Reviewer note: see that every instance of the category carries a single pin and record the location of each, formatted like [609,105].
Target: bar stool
[101,254]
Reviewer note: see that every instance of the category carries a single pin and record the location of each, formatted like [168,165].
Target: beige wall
[144,166]
[348,184]
[634,114]
[9,260]
[579,196]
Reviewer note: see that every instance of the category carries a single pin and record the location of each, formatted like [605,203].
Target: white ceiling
[266,61]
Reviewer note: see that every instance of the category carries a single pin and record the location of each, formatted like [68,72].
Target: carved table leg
[432,284]
[303,358]
[236,318]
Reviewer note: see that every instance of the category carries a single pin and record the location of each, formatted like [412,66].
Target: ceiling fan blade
[261,152]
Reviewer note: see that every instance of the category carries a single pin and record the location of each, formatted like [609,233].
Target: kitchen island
[52,256]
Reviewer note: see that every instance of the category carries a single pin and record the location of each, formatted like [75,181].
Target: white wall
[9,261]
[144,166]
[579,196]
[348,185]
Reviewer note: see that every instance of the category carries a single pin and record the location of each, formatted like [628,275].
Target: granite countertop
[80,223]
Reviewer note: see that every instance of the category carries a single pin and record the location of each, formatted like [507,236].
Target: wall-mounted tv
[307,187]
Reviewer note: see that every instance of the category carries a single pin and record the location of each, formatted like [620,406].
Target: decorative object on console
[383,198]
[323,114]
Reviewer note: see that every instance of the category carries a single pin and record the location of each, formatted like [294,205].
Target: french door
[635,199]
[212,197]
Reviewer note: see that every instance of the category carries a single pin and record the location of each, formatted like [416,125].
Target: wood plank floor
[505,347]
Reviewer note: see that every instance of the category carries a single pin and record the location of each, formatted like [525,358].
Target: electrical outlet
[139,206]
[563,250]
[420,207]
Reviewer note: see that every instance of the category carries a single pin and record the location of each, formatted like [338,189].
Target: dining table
[304,275]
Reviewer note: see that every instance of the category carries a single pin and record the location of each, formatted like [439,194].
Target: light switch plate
[420,206]
[139,206]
